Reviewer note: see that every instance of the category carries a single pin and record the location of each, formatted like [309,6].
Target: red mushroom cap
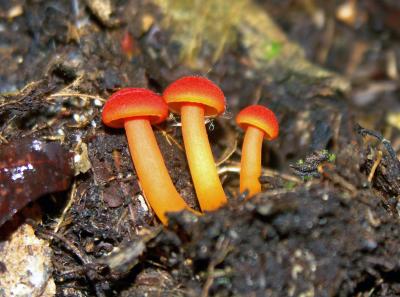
[260,117]
[198,90]
[133,102]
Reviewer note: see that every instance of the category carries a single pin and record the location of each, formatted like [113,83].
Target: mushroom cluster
[194,98]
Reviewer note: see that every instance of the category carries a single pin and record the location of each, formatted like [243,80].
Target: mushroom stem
[250,164]
[201,162]
[151,170]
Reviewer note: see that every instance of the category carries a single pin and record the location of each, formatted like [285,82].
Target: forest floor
[327,220]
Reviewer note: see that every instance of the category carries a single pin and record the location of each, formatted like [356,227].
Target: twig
[67,243]
[364,132]
[71,199]
[12,102]
[86,96]
[336,178]
[234,167]
[170,138]
[224,248]
[375,166]
[3,139]
[227,153]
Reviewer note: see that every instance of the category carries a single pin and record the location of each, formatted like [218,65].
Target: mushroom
[195,98]
[136,109]
[259,122]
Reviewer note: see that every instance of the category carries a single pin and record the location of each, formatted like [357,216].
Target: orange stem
[250,163]
[151,171]
[201,162]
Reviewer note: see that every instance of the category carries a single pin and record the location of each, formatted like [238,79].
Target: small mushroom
[136,109]
[195,98]
[258,122]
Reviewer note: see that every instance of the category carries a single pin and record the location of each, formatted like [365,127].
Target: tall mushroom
[136,109]
[259,122]
[195,98]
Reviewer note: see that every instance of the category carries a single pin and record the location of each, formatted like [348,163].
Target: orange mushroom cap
[133,102]
[261,118]
[197,90]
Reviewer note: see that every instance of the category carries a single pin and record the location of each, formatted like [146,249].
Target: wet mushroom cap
[196,90]
[133,102]
[261,118]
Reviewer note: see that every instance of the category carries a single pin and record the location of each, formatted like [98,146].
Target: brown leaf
[29,169]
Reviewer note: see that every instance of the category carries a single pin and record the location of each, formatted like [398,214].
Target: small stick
[71,199]
[86,96]
[375,166]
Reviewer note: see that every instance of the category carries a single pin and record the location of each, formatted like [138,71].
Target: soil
[327,220]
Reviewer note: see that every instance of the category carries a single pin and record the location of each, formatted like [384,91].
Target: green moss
[273,50]
[289,185]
